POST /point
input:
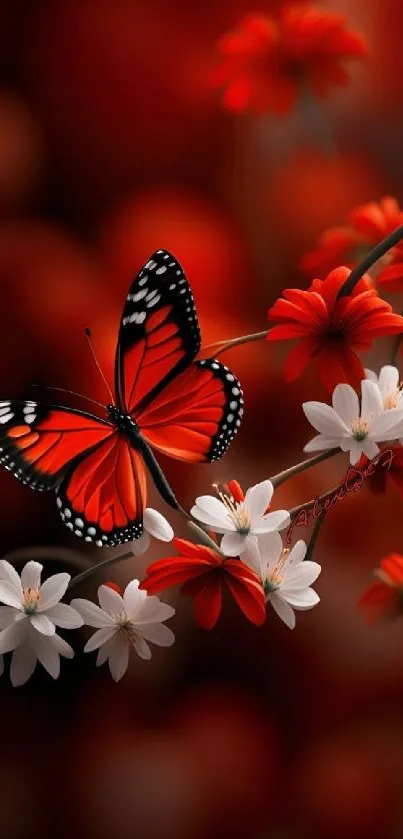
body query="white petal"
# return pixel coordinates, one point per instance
(157, 525)
(277, 520)
(325, 420)
(305, 599)
(355, 451)
(9, 595)
(257, 499)
(42, 624)
(46, 652)
(23, 663)
(321, 442)
(300, 576)
(387, 425)
(52, 590)
(152, 610)
(283, 609)
(369, 448)
(232, 544)
(62, 647)
(369, 374)
(8, 572)
(133, 598)
(157, 633)
(213, 512)
(297, 553)
(91, 613)
(7, 615)
(31, 575)
(65, 616)
(345, 403)
(388, 379)
(119, 658)
(141, 545)
(142, 648)
(13, 635)
(253, 555)
(110, 600)
(101, 636)
(103, 652)
(371, 400)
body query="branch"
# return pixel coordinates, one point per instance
(376, 253)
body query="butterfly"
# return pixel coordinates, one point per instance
(165, 400)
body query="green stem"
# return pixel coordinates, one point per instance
(301, 467)
(366, 263)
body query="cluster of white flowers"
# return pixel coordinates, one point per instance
(32, 610)
(250, 531)
(354, 429)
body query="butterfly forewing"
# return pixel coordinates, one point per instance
(159, 334)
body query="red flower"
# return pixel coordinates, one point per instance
(204, 572)
(267, 61)
(366, 226)
(384, 598)
(330, 330)
(391, 469)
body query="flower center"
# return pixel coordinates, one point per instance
(274, 578)
(31, 600)
(126, 627)
(237, 511)
(359, 429)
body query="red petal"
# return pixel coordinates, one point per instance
(392, 565)
(171, 572)
(207, 603)
(298, 358)
(379, 601)
(392, 276)
(202, 552)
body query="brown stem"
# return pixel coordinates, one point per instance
(223, 346)
(112, 560)
(315, 534)
(301, 467)
(366, 263)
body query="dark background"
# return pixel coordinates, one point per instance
(112, 143)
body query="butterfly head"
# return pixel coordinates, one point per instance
(124, 422)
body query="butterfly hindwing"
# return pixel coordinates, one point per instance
(196, 416)
(159, 334)
(39, 442)
(103, 497)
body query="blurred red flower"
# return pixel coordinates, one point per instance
(379, 479)
(329, 329)
(366, 226)
(267, 61)
(204, 572)
(384, 598)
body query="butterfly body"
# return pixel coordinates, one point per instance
(166, 400)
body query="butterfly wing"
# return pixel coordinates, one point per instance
(103, 497)
(159, 334)
(39, 442)
(196, 416)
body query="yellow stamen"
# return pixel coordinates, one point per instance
(237, 511)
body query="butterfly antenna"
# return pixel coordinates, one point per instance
(88, 337)
(65, 390)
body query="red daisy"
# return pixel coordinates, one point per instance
(384, 598)
(203, 573)
(330, 330)
(366, 226)
(266, 62)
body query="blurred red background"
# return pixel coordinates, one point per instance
(112, 144)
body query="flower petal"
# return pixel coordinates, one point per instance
(257, 499)
(9, 595)
(62, 647)
(321, 442)
(305, 599)
(388, 379)
(31, 575)
(369, 374)
(345, 403)
(13, 635)
(91, 613)
(140, 546)
(300, 576)
(282, 609)
(157, 633)
(65, 616)
(142, 648)
(277, 520)
(371, 400)
(101, 636)
(8, 615)
(152, 610)
(42, 624)
(110, 600)
(207, 603)
(52, 590)
(232, 544)
(325, 420)
(8, 572)
(23, 664)
(46, 652)
(157, 525)
(119, 657)
(213, 512)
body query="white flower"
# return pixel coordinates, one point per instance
(344, 427)
(156, 525)
(125, 622)
(29, 618)
(286, 577)
(240, 519)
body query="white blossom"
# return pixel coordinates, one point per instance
(154, 524)
(29, 617)
(240, 521)
(125, 622)
(344, 426)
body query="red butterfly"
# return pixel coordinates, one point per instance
(187, 409)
